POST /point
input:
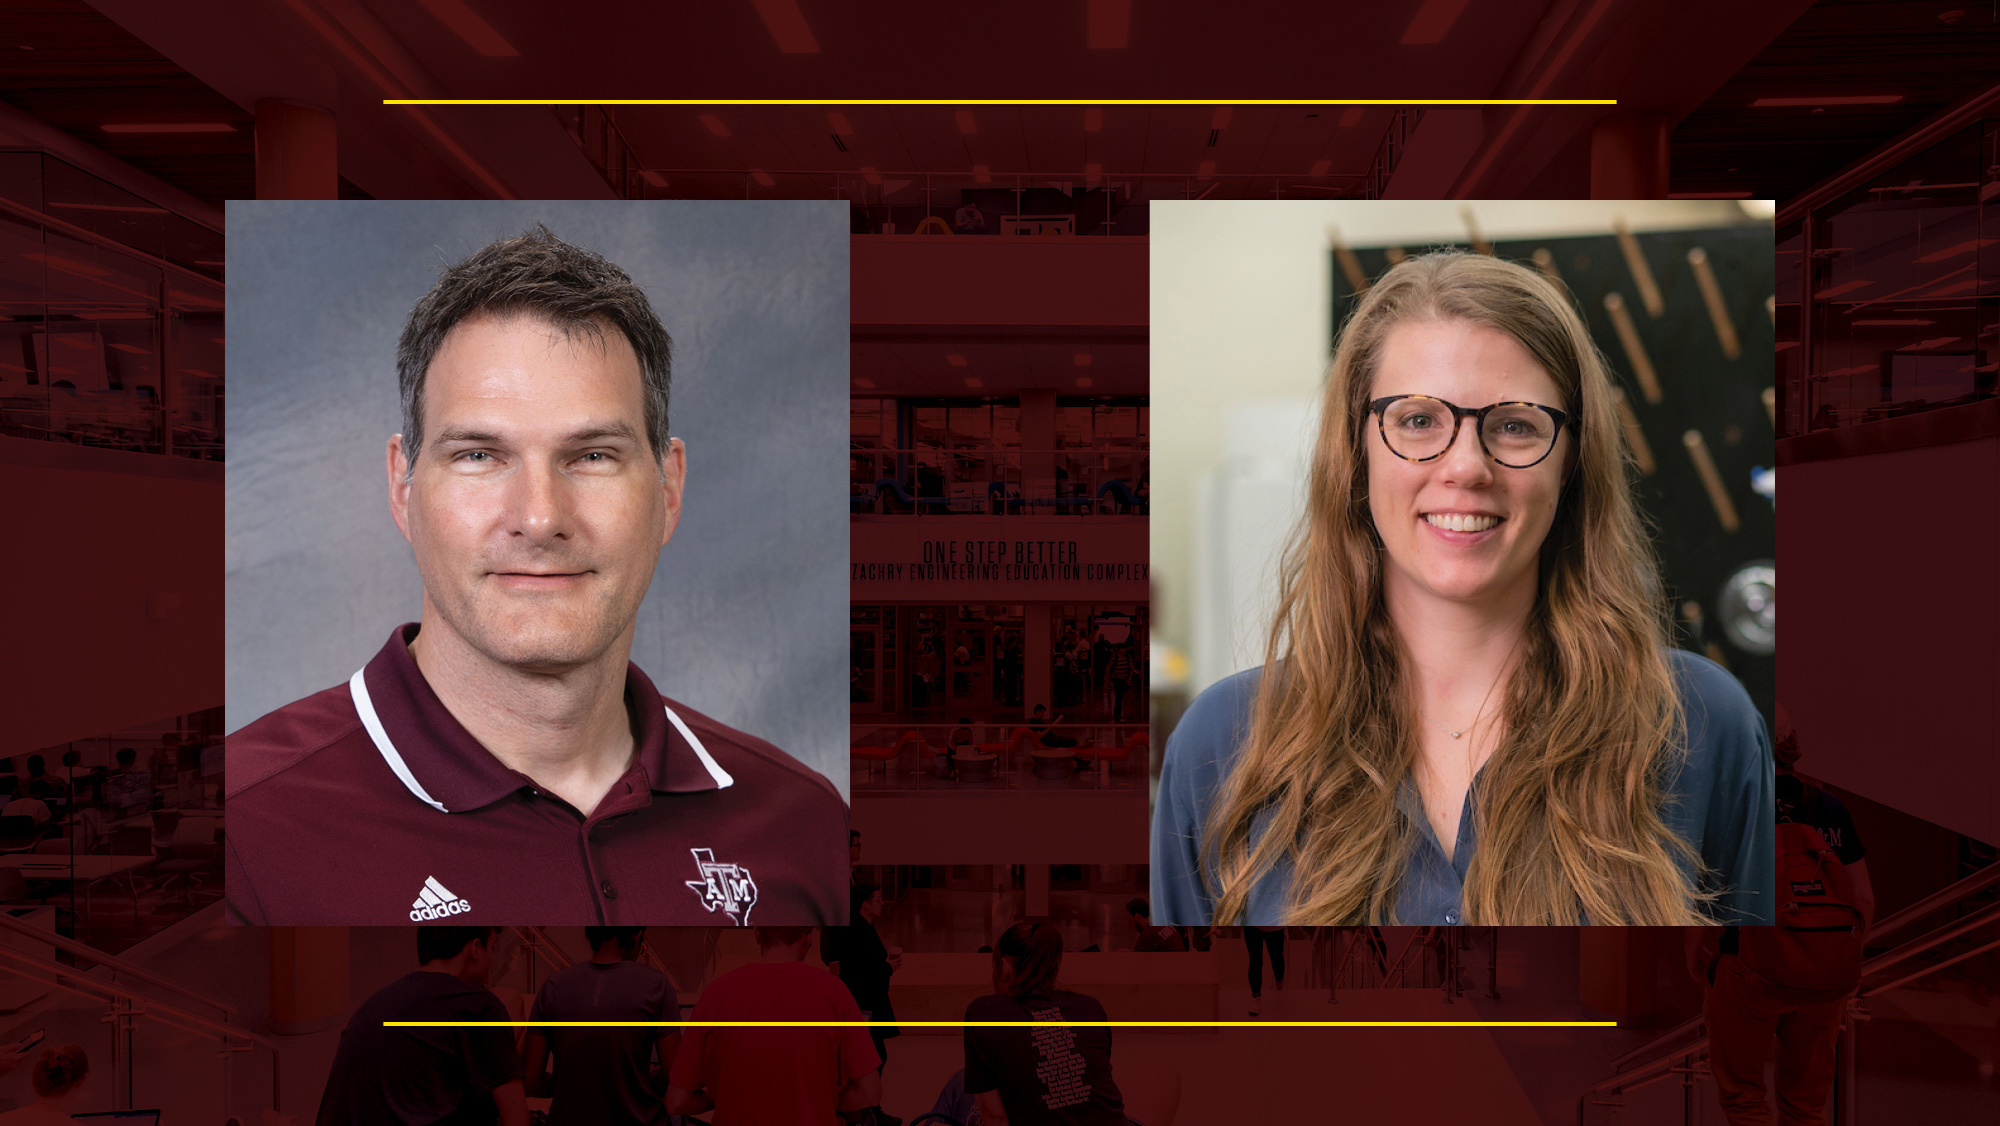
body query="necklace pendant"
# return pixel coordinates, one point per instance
(1456, 734)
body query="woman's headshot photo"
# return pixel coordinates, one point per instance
(1477, 685)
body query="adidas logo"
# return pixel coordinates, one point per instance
(434, 902)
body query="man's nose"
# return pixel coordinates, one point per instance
(538, 505)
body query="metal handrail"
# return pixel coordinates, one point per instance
(1979, 881)
(1661, 1065)
(117, 965)
(65, 978)
(1972, 885)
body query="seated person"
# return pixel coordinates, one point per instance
(1038, 722)
(36, 773)
(1006, 1069)
(1151, 937)
(29, 806)
(954, 1101)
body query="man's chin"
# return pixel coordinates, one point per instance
(542, 648)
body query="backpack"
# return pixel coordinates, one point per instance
(1812, 953)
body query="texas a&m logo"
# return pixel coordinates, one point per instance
(727, 888)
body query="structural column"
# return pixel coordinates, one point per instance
(1618, 967)
(1037, 906)
(297, 151)
(308, 977)
(1628, 156)
(1037, 658)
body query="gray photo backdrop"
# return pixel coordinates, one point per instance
(746, 619)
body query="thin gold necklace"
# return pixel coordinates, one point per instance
(1474, 726)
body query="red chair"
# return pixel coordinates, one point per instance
(1115, 755)
(883, 755)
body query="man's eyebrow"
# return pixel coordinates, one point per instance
(457, 434)
(602, 430)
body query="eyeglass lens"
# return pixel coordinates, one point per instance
(1423, 428)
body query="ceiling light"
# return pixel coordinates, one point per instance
(652, 177)
(981, 175)
(864, 384)
(1083, 381)
(1939, 342)
(1899, 321)
(973, 381)
(1844, 100)
(130, 348)
(1206, 170)
(1351, 118)
(715, 125)
(1432, 21)
(955, 360)
(171, 127)
(1319, 167)
(839, 125)
(1093, 121)
(965, 122)
(107, 207)
(762, 177)
(1108, 24)
(787, 25)
(1220, 119)
(1082, 359)
(466, 24)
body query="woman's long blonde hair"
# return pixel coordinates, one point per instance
(1567, 807)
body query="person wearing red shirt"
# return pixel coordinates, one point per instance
(791, 1075)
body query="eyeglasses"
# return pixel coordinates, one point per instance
(1420, 428)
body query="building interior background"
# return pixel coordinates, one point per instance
(126, 124)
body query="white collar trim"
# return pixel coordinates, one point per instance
(357, 686)
(721, 776)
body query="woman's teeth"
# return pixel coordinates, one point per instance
(1459, 522)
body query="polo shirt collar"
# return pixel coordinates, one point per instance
(439, 761)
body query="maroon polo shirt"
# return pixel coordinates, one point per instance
(370, 804)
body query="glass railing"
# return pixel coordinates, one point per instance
(998, 755)
(992, 481)
(104, 345)
(126, 1015)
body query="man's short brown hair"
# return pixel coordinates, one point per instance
(535, 274)
(768, 937)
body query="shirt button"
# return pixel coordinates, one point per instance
(609, 891)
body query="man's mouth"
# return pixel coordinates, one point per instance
(538, 580)
(1463, 521)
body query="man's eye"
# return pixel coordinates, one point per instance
(471, 454)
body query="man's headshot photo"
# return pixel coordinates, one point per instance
(611, 689)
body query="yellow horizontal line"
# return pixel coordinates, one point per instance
(999, 101)
(998, 1023)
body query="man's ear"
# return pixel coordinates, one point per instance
(673, 480)
(399, 485)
